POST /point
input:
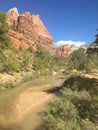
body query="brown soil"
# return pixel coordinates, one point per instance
(92, 75)
(29, 99)
(28, 104)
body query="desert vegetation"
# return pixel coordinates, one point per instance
(13, 60)
(45, 62)
(76, 108)
(84, 60)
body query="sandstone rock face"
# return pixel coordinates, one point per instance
(66, 50)
(25, 25)
(12, 17)
(47, 44)
(30, 31)
(21, 42)
(39, 27)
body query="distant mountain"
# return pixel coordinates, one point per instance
(66, 50)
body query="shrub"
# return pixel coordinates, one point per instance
(86, 100)
(9, 85)
(76, 108)
(43, 60)
(80, 83)
(12, 66)
(79, 61)
(61, 115)
(5, 42)
(27, 78)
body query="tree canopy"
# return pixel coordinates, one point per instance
(4, 39)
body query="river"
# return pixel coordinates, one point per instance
(21, 107)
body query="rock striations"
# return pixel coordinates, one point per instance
(12, 17)
(28, 31)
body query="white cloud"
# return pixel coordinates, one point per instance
(76, 43)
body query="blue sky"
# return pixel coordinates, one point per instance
(68, 21)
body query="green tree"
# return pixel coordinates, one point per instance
(4, 39)
(79, 60)
(96, 41)
(76, 107)
(42, 59)
(3, 25)
(61, 115)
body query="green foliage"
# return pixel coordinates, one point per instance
(85, 60)
(3, 25)
(96, 41)
(57, 63)
(61, 115)
(40, 60)
(83, 93)
(79, 61)
(9, 85)
(26, 59)
(43, 60)
(27, 78)
(76, 108)
(80, 83)
(92, 54)
(5, 42)
(9, 62)
(15, 60)
(12, 65)
(12, 59)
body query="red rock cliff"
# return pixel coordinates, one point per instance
(29, 31)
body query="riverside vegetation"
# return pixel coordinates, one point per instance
(12, 60)
(76, 108)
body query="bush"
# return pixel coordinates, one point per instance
(5, 42)
(79, 61)
(43, 60)
(80, 99)
(27, 78)
(80, 83)
(10, 61)
(61, 115)
(86, 90)
(76, 108)
(9, 85)
(12, 66)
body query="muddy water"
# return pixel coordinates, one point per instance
(32, 118)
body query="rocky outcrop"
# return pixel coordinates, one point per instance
(25, 25)
(39, 27)
(28, 31)
(12, 17)
(66, 50)
(20, 41)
